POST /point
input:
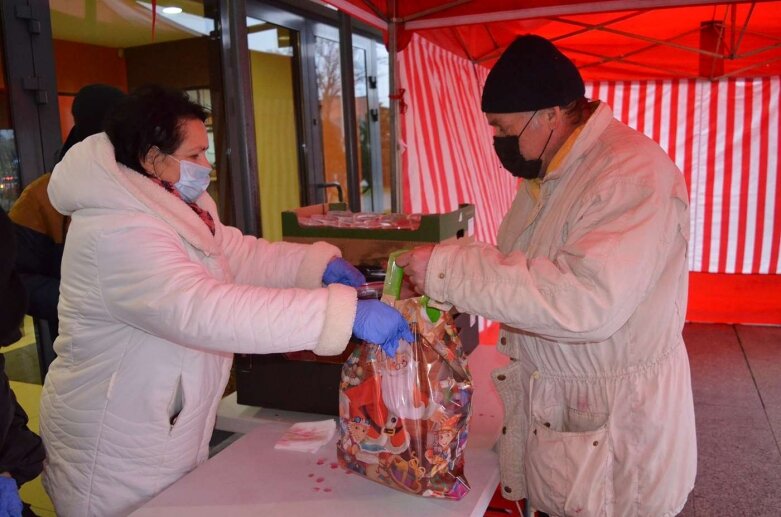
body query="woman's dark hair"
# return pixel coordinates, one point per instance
(151, 116)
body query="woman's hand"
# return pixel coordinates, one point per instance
(381, 324)
(339, 271)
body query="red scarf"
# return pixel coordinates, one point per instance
(205, 216)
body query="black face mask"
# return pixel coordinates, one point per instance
(509, 154)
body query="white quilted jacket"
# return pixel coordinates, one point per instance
(151, 308)
(589, 280)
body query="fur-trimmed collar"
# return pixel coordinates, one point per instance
(171, 209)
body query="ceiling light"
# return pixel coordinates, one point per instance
(171, 10)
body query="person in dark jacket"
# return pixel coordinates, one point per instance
(21, 451)
(40, 229)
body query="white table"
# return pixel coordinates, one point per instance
(251, 478)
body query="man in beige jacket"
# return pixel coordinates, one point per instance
(589, 281)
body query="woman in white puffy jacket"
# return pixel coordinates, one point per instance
(156, 295)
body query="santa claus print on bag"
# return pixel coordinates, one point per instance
(403, 419)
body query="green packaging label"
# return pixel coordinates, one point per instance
(391, 290)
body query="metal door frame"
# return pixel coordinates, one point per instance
(31, 85)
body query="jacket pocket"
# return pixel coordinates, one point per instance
(568, 464)
(176, 405)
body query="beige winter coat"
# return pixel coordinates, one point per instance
(589, 282)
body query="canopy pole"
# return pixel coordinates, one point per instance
(395, 155)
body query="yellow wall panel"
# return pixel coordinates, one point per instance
(275, 137)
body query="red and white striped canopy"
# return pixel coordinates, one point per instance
(723, 135)
(614, 39)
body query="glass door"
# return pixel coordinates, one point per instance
(274, 59)
(286, 164)
(328, 65)
(331, 113)
(368, 114)
(299, 91)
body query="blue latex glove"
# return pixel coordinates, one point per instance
(10, 503)
(379, 323)
(339, 271)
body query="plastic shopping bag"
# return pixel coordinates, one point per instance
(403, 420)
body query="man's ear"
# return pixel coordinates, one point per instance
(148, 161)
(553, 117)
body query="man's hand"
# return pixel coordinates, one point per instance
(415, 264)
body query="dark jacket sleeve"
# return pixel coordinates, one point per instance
(38, 262)
(21, 450)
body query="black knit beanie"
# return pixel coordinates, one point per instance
(531, 74)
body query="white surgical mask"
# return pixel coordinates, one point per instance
(193, 179)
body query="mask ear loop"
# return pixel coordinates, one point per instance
(539, 158)
(546, 145)
(524, 128)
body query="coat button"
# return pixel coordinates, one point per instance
(504, 430)
(595, 443)
(503, 340)
(500, 377)
(441, 276)
(508, 489)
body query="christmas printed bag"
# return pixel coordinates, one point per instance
(403, 420)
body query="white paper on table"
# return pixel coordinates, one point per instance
(307, 436)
